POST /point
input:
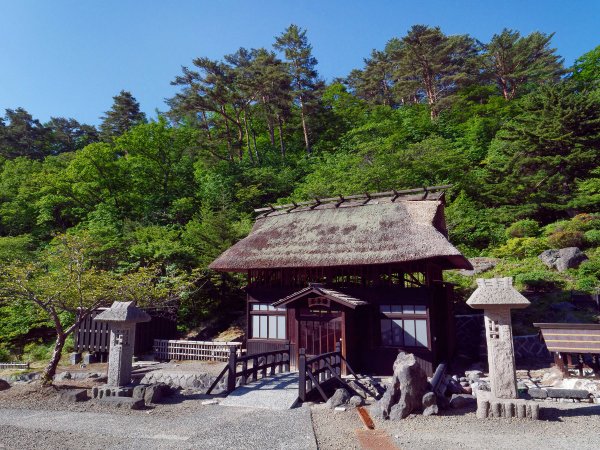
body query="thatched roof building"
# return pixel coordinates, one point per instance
(350, 234)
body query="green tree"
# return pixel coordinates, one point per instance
(22, 135)
(294, 44)
(536, 159)
(432, 66)
(123, 115)
(587, 67)
(514, 61)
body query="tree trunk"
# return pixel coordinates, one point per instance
(281, 143)
(304, 127)
(50, 369)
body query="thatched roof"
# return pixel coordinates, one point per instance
(494, 292)
(378, 231)
(123, 312)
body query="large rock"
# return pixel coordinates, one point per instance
(480, 265)
(563, 259)
(4, 385)
(152, 393)
(339, 397)
(62, 376)
(459, 401)
(73, 395)
(356, 401)
(405, 394)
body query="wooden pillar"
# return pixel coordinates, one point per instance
(302, 374)
(231, 365)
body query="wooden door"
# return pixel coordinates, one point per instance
(319, 331)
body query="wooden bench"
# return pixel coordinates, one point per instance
(575, 345)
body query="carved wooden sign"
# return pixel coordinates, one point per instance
(316, 302)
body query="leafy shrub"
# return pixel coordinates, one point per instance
(588, 284)
(592, 238)
(523, 228)
(563, 239)
(5, 355)
(37, 351)
(539, 281)
(585, 222)
(590, 268)
(521, 248)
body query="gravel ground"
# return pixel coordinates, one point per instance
(565, 426)
(182, 424)
(336, 429)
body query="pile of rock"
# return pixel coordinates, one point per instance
(563, 259)
(408, 391)
(341, 398)
(179, 380)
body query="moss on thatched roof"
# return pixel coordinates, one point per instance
(350, 234)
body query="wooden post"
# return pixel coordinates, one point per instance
(338, 359)
(244, 380)
(286, 364)
(302, 374)
(272, 366)
(232, 366)
(254, 370)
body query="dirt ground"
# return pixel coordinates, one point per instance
(564, 426)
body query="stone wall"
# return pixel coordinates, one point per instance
(470, 341)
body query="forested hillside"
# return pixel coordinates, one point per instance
(138, 207)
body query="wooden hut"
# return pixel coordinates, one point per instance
(364, 271)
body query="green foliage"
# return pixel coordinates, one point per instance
(538, 281)
(521, 248)
(563, 239)
(523, 228)
(592, 238)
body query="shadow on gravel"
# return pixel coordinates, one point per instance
(557, 415)
(178, 397)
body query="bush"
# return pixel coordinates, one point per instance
(563, 239)
(521, 248)
(538, 281)
(592, 238)
(5, 355)
(588, 284)
(523, 228)
(590, 268)
(37, 351)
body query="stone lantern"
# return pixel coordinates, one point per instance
(122, 318)
(497, 296)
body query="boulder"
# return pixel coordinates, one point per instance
(537, 393)
(123, 402)
(356, 401)
(411, 382)
(152, 393)
(384, 405)
(563, 259)
(473, 375)
(73, 395)
(432, 410)
(460, 401)
(62, 376)
(4, 385)
(567, 393)
(339, 397)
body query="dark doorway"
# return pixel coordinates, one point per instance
(320, 329)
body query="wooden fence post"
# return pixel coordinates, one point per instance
(232, 365)
(302, 374)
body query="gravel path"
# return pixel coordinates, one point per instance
(208, 427)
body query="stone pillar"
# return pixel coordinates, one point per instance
(122, 318)
(120, 357)
(497, 296)
(501, 354)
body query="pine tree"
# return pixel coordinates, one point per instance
(302, 68)
(124, 114)
(432, 66)
(514, 61)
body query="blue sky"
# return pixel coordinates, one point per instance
(69, 58)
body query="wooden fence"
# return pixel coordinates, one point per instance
(196, 350)
(21, 366)
(93, 336)
(241, 370)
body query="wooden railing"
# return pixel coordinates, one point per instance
(14, 365)
(250, 368)
(316, 371)
(193, 350)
